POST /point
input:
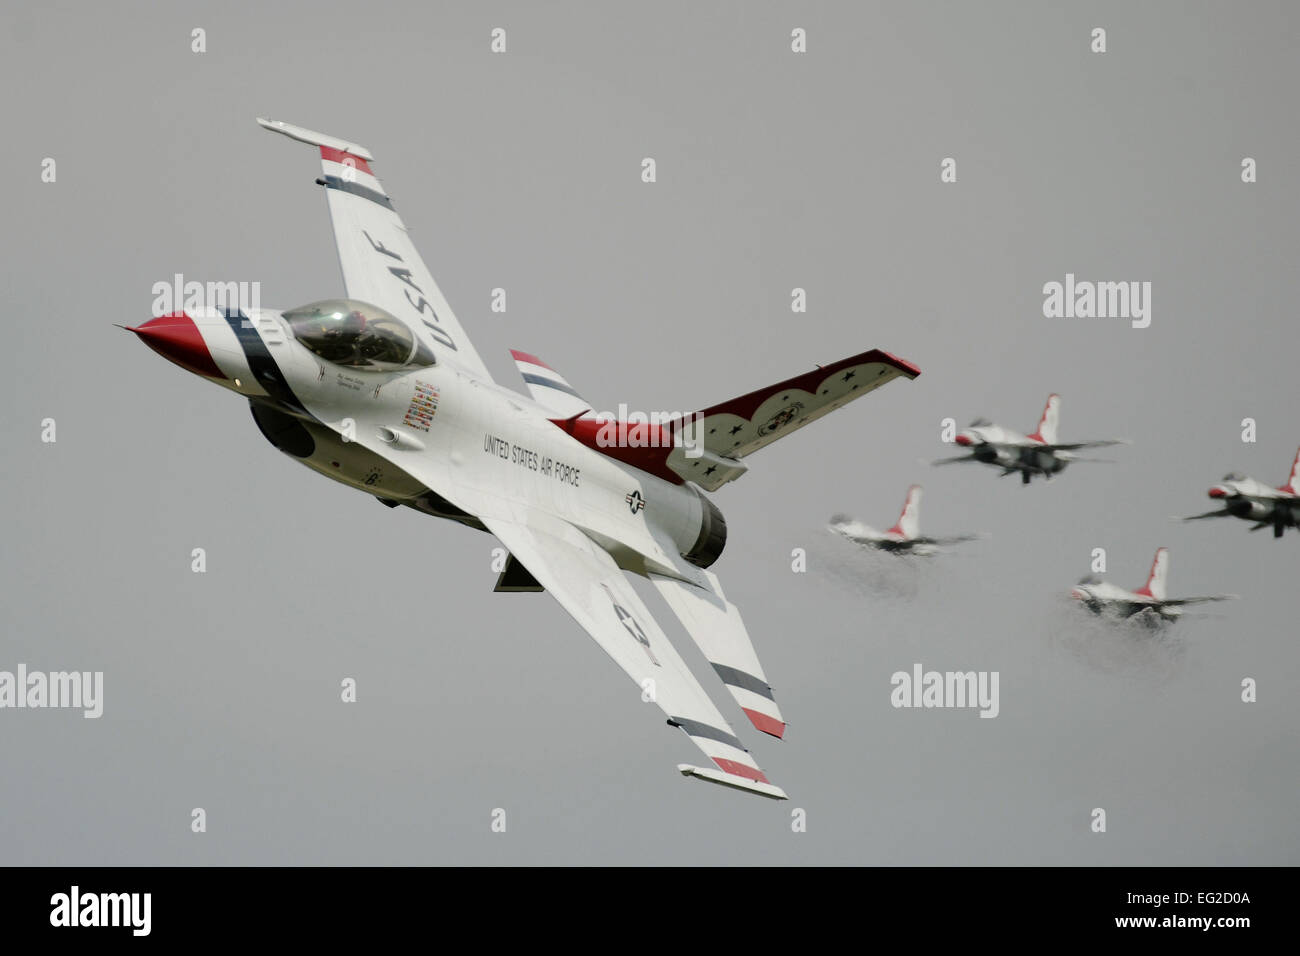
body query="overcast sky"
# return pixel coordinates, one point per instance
(775, 170)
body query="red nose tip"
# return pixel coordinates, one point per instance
(963, 439)
(1218, 493)
(176, 338)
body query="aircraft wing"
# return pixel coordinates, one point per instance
(380, 262)
(715, 625)
(597, 594)
(858, 538)
(944, 542)
(1179, 602)
(1222, 512)
(1076, 445)
(730, 430)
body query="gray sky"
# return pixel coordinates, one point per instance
(775, 170)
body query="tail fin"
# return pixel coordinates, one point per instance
(1051, 418)
(1293, 483)
(1155, 586)
(909, 522)
(548, 386)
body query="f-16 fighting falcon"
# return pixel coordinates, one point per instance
(1253, 500)
(384, 392)
(1036, 454)
(903, 538)
(1148, 604)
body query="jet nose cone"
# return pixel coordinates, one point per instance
(176, 338)
(1077, 594)
(964, 440)
(1218, 492)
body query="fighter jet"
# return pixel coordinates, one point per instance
(1148, 604)
(1253, 500)
(1036, 454)
(903, 538)
(383, 391)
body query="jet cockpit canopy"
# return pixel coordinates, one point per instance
(357, 335)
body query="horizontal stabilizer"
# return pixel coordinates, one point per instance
(771, 791)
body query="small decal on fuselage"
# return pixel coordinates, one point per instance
(635, 501)
(350, 382)
(424, 405)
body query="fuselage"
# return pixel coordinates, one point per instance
(1102, 597)
(1012, 451)
(487, 451)
(1252, 500)
(893, 541)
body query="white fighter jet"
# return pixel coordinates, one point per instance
(1148, 604)
(384, 392)
(1036, 454)
(1253, 500)
(903, 538)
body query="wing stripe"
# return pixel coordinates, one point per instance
(738, 678)
(356, 189)
(740, 769)
(694, 728)
(768, 725)
(344, 158)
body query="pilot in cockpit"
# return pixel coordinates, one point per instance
(341, 342)
(356, 335)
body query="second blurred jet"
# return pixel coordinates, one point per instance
(903, 538)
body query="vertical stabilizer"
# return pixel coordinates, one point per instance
(909, 522)
(1293, 481)
(1051, 418)
(1155, 586)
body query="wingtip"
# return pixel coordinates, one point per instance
(908, 370)
(771, 791)
(314, 138)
